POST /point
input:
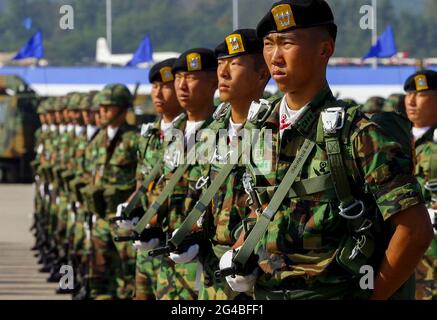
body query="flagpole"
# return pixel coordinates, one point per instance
(375, 30)
(109, 25)
(235, 14)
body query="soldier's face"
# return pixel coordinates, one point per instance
(237, 79)
(97, 118)
(421, 108)
(297, 59)
(59, 117)
(42, 118)
(86, 115)
(164, 97)
(51, 117)
(111, 114)
(195, 90)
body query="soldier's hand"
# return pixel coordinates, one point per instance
(238, 283)
(125, 224)
(186, 256)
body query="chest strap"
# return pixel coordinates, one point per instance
(267, 215)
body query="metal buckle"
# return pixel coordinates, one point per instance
(333, 119)
(367, 224)
(221, 111)
(431, 186)
(343, 211)
(256, 108)
(247, 183)
(201, 182)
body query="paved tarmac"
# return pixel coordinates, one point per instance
(19, 276)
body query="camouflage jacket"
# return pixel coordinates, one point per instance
(185, 194)
(117, 168)
(425, 146)
(151, 149)
(306, 233)
(229, 206)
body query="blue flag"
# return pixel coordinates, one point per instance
(27, 23)
(385, 47)
(144, 52)
(33, 49)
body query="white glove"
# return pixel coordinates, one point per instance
(125, 224)
(237, 283)
(146, 246)
(432, 215)
(186, 256)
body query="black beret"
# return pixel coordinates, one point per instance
(425, 80)
(198, 59)
(288, 15)
(238, 43)
(162, 71)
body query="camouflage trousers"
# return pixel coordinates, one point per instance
(147, 270)
(426, 279)
(178, 281)
(62, 216)
(112, 265)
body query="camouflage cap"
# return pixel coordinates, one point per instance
(395, 103)
(50, 104)
(74, 101)
(60, 103)
(41, 109)
(116, 95)
(350, 101)
(95, 104)
(373, 105)
(87, 100)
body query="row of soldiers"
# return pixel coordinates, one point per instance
(169, 213)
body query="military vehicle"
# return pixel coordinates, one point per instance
(18, 123)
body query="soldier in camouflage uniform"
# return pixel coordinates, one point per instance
(373, 106)
(87, 162)
(242, 75)
(195, 84)
(112, 264)
(151, 148)
(317, 224)
(40, 137)
(421, 102)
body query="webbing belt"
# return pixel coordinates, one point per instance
(264, 219)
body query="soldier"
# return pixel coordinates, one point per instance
(87, 164)
(373, 106)
(195, 85)
(421, 102)
(242, 75)
(317, 225)
(112, 264)
(151, 149)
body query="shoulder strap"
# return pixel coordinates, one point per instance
(264, 219)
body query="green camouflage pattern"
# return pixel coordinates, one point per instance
(426, 272)
(304, 237)
(373, 105)
(116, 174)
(184, 277)
(116, 95)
